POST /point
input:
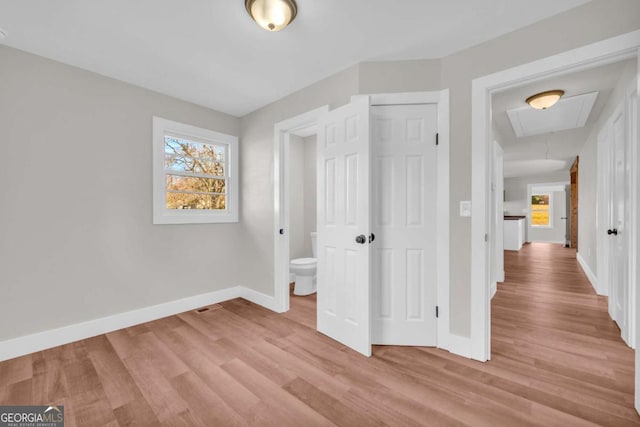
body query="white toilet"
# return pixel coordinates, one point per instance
(304, 270)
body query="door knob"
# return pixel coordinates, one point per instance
(361, 239)
(372, 237)
(614, 232)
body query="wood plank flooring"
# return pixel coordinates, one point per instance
(557, 360)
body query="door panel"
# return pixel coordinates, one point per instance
(404, 251)
(619, 251)
(343, 310)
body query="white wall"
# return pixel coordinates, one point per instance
(587, 203)
(76, 235)
(297, 198)
(302, 195)
(588, 173)
(310, 191)
(399, 76)
(83, 256)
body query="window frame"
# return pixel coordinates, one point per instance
(549, 194)
(161, 215)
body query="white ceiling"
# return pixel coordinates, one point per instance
(552, 151)
(209, 52)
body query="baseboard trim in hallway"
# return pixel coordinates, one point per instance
(27, 344)
(590, 275)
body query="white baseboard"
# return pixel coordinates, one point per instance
(47, 339)
(500, 277)
(267, 301)
(459, 345)
(494, 289)
(585, 267)
(28, 344)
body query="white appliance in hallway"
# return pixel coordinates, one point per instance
(377, 245)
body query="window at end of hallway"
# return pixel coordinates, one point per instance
(540, 210)
(195, 174)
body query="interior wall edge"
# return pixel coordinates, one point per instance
(593, 279)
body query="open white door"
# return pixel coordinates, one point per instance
(343, 226)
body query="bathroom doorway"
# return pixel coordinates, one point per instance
(302, 213)
(295, 210)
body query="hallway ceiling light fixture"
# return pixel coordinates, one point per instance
(272, 15)
(544, 100)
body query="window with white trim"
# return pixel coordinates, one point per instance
(195, 174)
(541, 209)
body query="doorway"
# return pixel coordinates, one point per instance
(349, 318)
(601, 53)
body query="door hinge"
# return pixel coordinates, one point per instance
(486, 237)
(437, 311)
(437, 138)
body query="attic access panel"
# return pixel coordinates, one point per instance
(568, 113)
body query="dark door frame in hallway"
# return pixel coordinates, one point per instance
(573, 208)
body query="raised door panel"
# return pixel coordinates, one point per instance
(404, 192)
(343, 213)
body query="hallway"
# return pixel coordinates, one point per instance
(550, 329)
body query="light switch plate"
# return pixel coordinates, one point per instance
(465, 208)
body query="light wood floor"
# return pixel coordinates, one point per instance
(557, 360)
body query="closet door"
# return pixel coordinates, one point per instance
(404, 270)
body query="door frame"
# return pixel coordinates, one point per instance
(600, 53)
(444, 339)
(627, 110)
(307, 123)
(282, 133)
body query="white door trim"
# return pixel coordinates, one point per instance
(283, 131)
(441, 98)
(635, 244)
(600, 53)
(633, 107)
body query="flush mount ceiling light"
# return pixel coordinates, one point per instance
(544, 100)
(272, 15)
